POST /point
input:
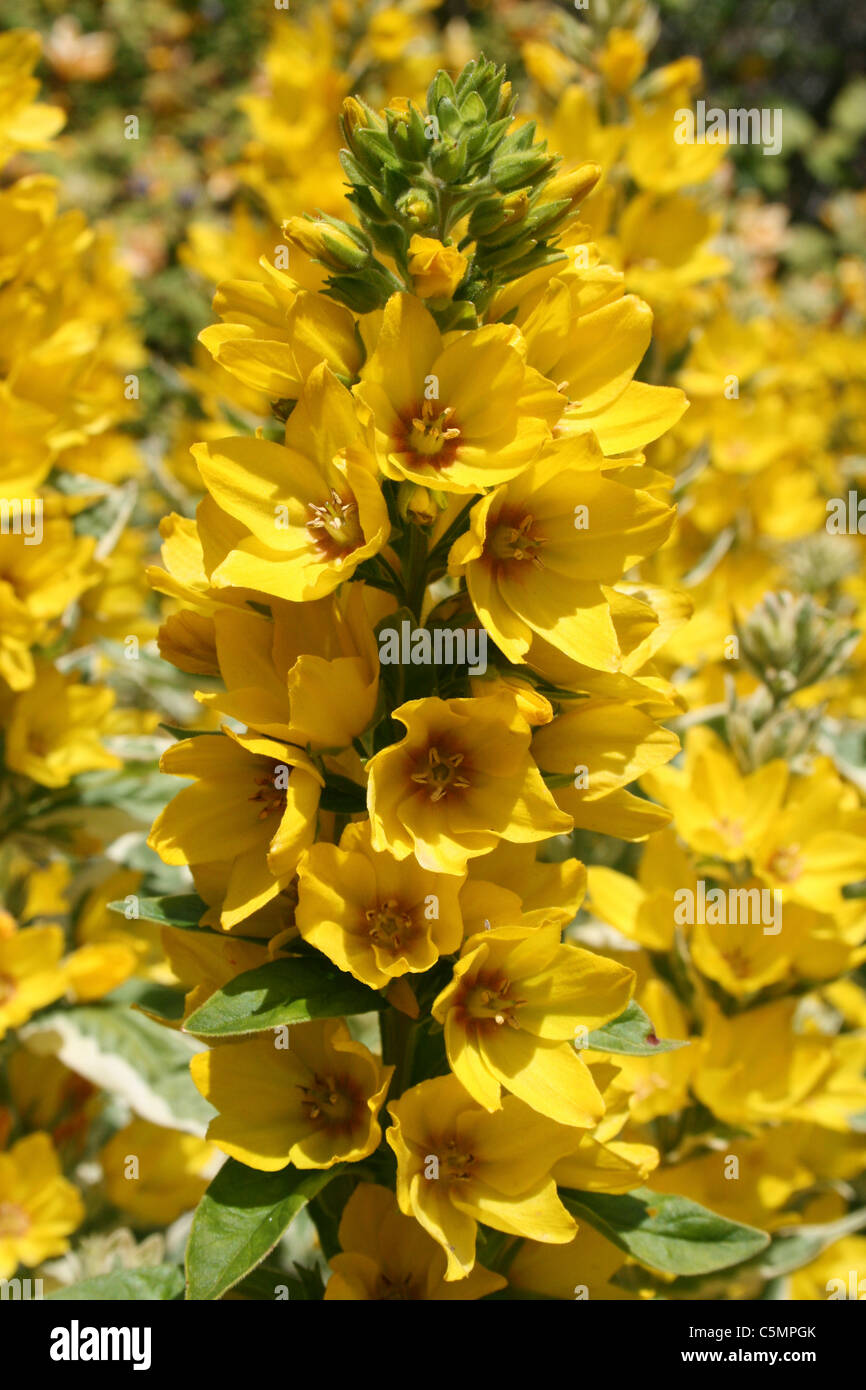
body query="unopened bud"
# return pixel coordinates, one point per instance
(335, 245)
(417, 504)
(574, 186)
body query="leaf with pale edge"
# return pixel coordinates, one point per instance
(162, 1283)
(282, 992)
(633, 1035)
(240, 1219)
(666, 1232)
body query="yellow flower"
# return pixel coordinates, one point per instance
(313, 1103)
(294, 520)
(512, 1014)
(454, 413)
(93, 971)
(755, 1068)
(622, 60)
(309, 676)
(597, 748)
(643, 908)
(458, 1165)
(153, 1174)
(460, 781)
(718, 811)
(582, 331)
(39, 1209)
(24, 124)
(838, 1272)
(96, 925)
(656, 159)
(274, 334)
(816, 844)
(54, 730)
(31, 974)
(254, 802)
(385, 1255)
(436, 270)
(373, 915)
(541, 548)
(204, 962)
(38, 582)
(544, 892)
(581, 1269)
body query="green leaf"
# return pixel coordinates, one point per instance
(162, 1283)
(282, 992)
(633, 1035)
(129, 1055)
(666, 1232)
(183, 734)
(343, 795)
(162, 1002)
(175, 910)
(791, 1248)
(240, 1219)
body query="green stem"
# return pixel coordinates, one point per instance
(415, 571)
(398, 1044)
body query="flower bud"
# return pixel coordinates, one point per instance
(448, 159)
(574, 186)
(436, 270)
(622, 60)
(334, 244)
(417, 206)
(415, 504)
(520, 166)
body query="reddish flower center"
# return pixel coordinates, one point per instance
(389, 926)
(333, 1103)
(440, 773)
(272, 797)
(515, 539)
(334, 526)
(487, 1002)
(430, 434)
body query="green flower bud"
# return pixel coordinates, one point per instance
(448, 158)
(523, 166)
(417, 207)
(335, 244)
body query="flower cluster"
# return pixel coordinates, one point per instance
(460, 469)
